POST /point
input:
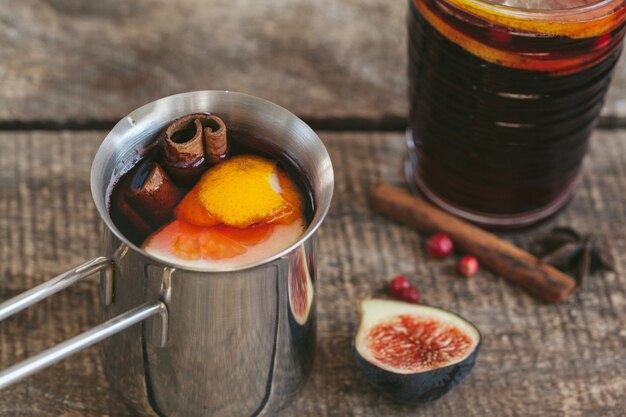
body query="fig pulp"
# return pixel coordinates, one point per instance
(414, 353)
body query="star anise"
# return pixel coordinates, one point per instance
(573, 253)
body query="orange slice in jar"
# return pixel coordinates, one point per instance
(575, 23)
(588, 20)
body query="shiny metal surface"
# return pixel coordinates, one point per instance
(84, 340)
(234, 347)
(223, 342)
(235, 341)
(133, 135)
(52, 286)
(61, 351)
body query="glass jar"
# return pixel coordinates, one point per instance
(503, 99)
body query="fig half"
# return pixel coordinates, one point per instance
(414, 353)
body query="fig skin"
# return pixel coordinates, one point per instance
(413, 389)
(421, 386)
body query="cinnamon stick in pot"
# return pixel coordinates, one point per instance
(512, 263)
(153, 194)
(191, 144)
(127, 216)
(183, 150)
(215, 141)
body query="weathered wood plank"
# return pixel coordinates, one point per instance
(536, 360)
(66, 60)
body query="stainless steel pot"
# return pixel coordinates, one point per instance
(225, 342)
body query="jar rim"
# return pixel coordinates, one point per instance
(597, 19)
(595, 9)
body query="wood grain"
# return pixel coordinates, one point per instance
(536, 360)
(75, 61)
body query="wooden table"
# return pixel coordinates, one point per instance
(70, 69)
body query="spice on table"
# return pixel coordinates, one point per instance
(410, 295)
(439, 246)
(514, 264)
(571, 252)
(467, 266)
(398, 284)
(401, 289)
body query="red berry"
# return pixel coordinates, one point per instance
(411, 295)
(398, 284)
(439, 246)
(468, 266)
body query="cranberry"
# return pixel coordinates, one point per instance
(411, 295)
(468, 266)
(398, 284)
(439, 246)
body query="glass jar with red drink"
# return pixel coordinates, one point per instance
(504, 95)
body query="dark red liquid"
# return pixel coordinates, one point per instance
(239, 143)
(493, 139)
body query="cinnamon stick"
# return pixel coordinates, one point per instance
(153, 194)
(215, 142)
(128, 216)
(497, 255)
(183, 150)
(191, 144)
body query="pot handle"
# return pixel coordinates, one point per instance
(69, 347)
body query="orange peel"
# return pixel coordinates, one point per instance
(248, 189)
(595, 23)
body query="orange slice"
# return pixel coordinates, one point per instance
(235, 206)
(580, 22)
(293, 196)
(249, 236)
(185, 241)
(595, 23)
(191, 211)
(245, 190)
